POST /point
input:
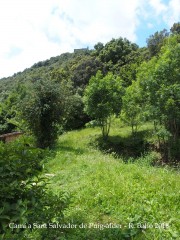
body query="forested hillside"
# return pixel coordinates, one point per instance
(149, 78)
(128, 97)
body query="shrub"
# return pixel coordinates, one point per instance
(45, 107)
(24, 198)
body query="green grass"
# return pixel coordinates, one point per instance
(104, 189)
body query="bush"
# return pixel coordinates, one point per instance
(45, 107)
(18, 164)
(24, 198)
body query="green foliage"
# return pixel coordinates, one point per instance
(84, 69)
(155, 42)
(121, 57)
(59, 75)
(107, 190)
(132, 110)
(98, 47)
(111, 181)
(18, 163)
(44, 108)
(159, 80)
(24, 198)
(175, 29)
(103, 98)
(129, 71)
(9, 111)
(78, 67)
(5, 114)
(117, 51)
(76, 117)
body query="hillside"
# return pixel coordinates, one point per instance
(80, 65)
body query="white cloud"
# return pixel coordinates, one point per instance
(150, 25)
(158, 6)
(162, 11)
(173, 13)
(35, 30)
(103, 19)
(21, 24)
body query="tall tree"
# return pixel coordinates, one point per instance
(159, 79)
(45, 106)
(117, 51)
(156, 41)
(98, 47)
(132, 108)
(103, 98)
(175, 28)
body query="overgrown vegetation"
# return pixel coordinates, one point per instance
(125, 175)
(117, 188)
(44, 107)
(24, 198)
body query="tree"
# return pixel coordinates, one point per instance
(175, 29)
(5, 114)
(76, 118)
(129, 70)
(117, 51)
(132, 110)
(46, 106)
(84, 69)
(155, 42)
(98, 47)
(103, 98)
(159, 79)
(9, 111)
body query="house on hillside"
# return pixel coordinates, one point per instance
(81, 50)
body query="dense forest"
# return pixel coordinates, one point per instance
(116, 82)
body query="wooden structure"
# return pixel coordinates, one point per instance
(8, 137)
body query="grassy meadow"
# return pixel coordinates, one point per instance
(113, 195)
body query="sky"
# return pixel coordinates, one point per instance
(36, 30)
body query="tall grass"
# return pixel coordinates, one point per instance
(104, 189)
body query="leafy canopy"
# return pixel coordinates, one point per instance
(103, 98)
(160, 82)
(46, 106)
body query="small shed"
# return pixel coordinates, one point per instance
(8, 137)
